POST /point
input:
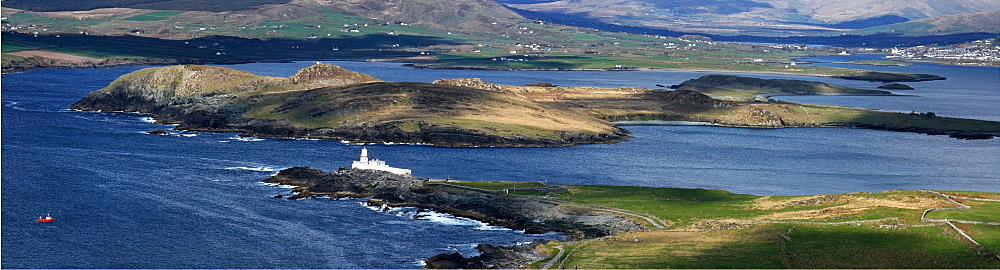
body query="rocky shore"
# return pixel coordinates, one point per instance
(515, 212)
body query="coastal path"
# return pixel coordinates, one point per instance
(652, 220)
(554, 260)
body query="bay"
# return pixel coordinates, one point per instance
(126, 199)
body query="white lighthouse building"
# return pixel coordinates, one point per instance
(373, 164)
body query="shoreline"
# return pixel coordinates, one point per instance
(516, 255)
(409, 64)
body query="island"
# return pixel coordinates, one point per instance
(325, 101)
(644, 227)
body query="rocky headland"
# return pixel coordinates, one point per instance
(534, 216)
(327, 102)
(394, 190)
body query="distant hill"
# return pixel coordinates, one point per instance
(757, 17)
(474, 15)
(470, 15)
(189, 5)
(987, 22)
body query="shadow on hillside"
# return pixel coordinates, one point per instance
(187, 5)
(225, 49)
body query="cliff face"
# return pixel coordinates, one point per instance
(153, 89)
(321, 75)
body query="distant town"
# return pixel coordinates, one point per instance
(979, 52)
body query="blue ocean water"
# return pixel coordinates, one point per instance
(126, 199)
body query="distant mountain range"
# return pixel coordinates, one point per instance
(777, 17)
(846, 23)
(470, 15)
(769, 18)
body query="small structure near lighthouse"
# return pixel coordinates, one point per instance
(373, 164)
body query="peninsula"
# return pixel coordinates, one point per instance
(642, 227)
(328, 102)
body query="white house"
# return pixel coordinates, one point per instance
(373, 164)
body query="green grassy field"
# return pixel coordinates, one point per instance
(154, 16)
(981, 211)
(757, 247)
(986, 235)
(869, 245)
(762, 246)
(497, 185)
(680, 206)
(850, 246)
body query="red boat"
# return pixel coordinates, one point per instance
(48, 218)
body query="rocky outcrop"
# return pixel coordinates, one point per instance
(326, 75)
(895, 86)
(491, 257)
(878, 76)
(530, 215)
(522, 213)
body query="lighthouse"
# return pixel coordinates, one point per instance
(364, 155)
(373, 164)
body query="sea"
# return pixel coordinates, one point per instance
(122, 198)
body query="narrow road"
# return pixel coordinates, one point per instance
(656, 222)
(555, 259)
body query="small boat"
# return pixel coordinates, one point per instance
(48, 218)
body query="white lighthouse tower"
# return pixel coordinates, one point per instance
(373, 164)
(364, 155)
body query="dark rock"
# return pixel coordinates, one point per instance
(491, 257)
(158, 132)
(533, 216)
(542, 85)
(895, 86)
(878, 76)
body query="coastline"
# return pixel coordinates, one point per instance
(520, 255)
(404, 62)
(530, 214)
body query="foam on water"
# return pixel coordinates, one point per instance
(435, 217)
(256, 169)
(278, 185)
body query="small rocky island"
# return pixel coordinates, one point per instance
(328, 102)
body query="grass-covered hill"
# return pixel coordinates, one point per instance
(436, 33)
(326, 101)
(728, 85)
(768, 17)
(986, 22)
(630, 104)
(192, 5)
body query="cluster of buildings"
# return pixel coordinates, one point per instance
(981, 50)
(364, 163)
